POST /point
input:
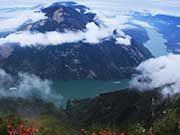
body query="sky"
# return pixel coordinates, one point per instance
(155, 6)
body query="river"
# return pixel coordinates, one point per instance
(88, 88)
(156, 44)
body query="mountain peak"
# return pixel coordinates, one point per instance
(62, 17)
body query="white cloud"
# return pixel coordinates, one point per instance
(26, 38)
(33, 86)
(93, 34)
(125, 41)
(28, 85)
(23, 3)
(159, 72)
(16, 19)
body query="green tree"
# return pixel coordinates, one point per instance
(168, 125)
(136, 129)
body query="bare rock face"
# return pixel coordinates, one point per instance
(58, 15)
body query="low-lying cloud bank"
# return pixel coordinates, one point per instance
(27, 86)
(162, 72)
(93, 35)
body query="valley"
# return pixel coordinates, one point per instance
(89, 67)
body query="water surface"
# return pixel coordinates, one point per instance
(156, 44)
(88, 88)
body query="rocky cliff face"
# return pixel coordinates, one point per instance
(77, 61)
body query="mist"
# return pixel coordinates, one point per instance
(161, 72)
(27, 85)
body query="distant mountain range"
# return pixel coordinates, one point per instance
(168, 26)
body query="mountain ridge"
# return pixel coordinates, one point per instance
(104, 60)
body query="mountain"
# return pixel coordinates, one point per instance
(77, 60)
(61, 17)
(123, 108)
(31, 112)
(30, 107)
